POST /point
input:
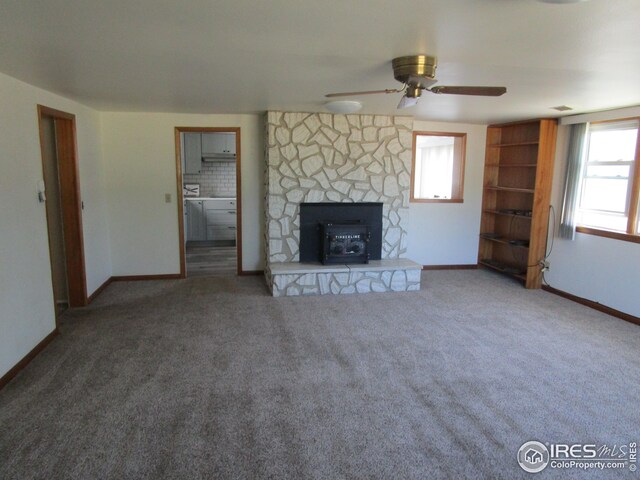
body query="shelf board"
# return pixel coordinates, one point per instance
(515, 144)
(497, 212)
(514, 165)
(504, 241)
(502, 269)
(511, 189)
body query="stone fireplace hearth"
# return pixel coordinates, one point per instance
(318, 157)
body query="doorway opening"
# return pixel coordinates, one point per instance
(209, 201)
(60, 192)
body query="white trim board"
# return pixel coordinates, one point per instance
(602, 115)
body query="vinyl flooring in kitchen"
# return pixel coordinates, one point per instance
(206, 259)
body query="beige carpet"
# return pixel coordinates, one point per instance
(210, 378)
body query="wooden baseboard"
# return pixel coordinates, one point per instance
(99, 290)
(469, 266)
(595, 305)
(6, 378)
(169, 276)
(246, 273)
(131, 278)
(136, 278)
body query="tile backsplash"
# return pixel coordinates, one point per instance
(216, 179)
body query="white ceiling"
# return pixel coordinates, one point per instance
(242, 56)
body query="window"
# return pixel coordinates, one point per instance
(610, 179)
(438, 167)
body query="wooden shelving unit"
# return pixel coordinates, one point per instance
(515, 205)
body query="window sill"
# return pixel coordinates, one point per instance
(625, 237)
(436, 200)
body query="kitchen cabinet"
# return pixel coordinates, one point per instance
(220, 218)
(196, 221)
(192, 153)
(219, 143)
(210, 219)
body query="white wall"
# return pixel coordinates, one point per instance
(95, 223)
(26, 296)
(139, 150)
(600, 269)
(447, 233)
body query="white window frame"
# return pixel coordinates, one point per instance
(632, 209)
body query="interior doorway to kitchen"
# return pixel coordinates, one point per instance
(208, 165)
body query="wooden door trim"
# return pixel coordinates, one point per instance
(177, 132)
(71, 200)
(179, 187)
(52, 112)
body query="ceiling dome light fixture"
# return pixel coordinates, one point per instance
(343, 106)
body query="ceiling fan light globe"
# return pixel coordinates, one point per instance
(406, 102)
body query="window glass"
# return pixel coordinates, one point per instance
(438, 166)
(607, 180)
(605, 194)
(613, 142)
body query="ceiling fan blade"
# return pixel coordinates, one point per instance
(406, 102)
(366, 92)
(481, 91)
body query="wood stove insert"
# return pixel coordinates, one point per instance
(344, 243)
(335, 233)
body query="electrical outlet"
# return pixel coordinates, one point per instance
(546, 265)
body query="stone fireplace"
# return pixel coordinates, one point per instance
(326, 158)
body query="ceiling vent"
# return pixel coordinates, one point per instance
(562, 108)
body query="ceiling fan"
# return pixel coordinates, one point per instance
(417, 73)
